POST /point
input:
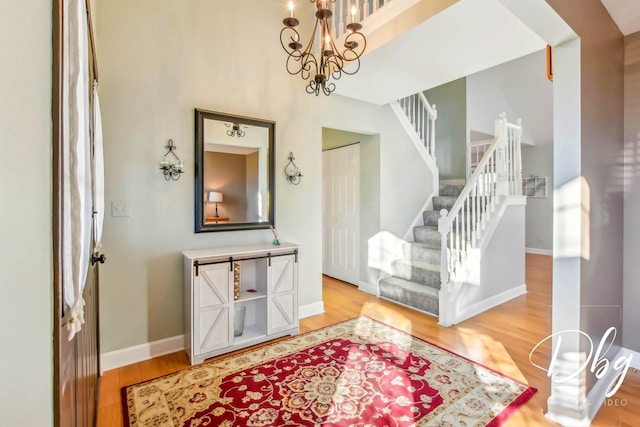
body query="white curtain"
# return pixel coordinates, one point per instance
(97, 166)
(77, 187)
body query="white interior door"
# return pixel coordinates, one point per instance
(341, 212)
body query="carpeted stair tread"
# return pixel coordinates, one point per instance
(411, 294)
(422, 252)
(417, 271)
(428, 235)
(431, 218)
(444, 202)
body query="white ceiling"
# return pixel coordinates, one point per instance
(625, 13)
(470, 36)
(465, 38)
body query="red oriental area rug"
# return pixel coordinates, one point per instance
(357, 373)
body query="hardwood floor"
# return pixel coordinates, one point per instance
(501, 338)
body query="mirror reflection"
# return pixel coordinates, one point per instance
(234, 166)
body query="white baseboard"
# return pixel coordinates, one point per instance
(538, 251)
(597, 395)
(309, 310)
(368, 288)
(484, 305)
(138, 353)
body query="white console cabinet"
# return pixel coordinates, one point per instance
(265, 278)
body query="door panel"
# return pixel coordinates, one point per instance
(282, 275)
(282, 307)
(341, 213)
(282, 312)
(79, 363)
(213, 296)
(67, 380)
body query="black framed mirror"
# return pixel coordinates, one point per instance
(234, 172)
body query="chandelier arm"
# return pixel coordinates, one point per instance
(290, 34)
(328, 89)
(309, 64)
(358, 40)
(312, 88)
(338, 63)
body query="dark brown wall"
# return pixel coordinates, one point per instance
(227, 174)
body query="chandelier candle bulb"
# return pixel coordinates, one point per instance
(291, 9)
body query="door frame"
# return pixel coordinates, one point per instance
(57, 132)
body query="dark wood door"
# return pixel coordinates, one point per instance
(79, 363)
(76, 361)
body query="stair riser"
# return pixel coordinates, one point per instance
(416, 274)
(411, 298)
(450, 189)
(429, 236)
(431, 218)
(420, 253)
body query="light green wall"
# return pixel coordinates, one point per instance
(26, 371)
(160, 59)
(538, 160)
(451, 127)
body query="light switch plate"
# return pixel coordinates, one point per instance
(120, 209)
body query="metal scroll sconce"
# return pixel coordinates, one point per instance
(171, 165)
(292, 171)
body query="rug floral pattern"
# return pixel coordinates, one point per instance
(356, 373)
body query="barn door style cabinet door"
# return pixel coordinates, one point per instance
(239, 296)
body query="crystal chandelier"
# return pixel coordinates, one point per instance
(321, 61)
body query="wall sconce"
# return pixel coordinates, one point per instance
(292, 171)
(171, 165)
(215, 197)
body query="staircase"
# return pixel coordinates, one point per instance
(454, 268)
(445, 271)
(416, 280)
